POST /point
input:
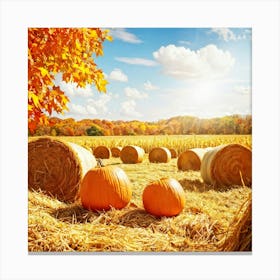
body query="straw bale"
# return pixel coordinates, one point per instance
(191, 159)
(116, 151)
(132, 154)
(173, 153)
(102, 152)
(160, 154)
(57, 167)
(239, 234)
(227, 165)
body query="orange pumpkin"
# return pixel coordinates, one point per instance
(105, 187)
(164, 197)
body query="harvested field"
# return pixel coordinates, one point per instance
(214, 218)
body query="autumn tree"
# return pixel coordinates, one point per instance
(94, 131)
(68, 51)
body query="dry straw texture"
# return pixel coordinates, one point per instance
(102, 152)
(57, 227)
(132, 154)
(116, 151)
(227, 165)
(160, 154)
(239, 234)
(191, 159)
(57, 167)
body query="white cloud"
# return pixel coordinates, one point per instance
(122, 34)
(136, 61)
(128, 109)
(72, 89)
(100, 104)
(225, 34)
(118, 75)
(149, 86)
(208, 62)
(91, 107)
(243, 90)
(134, 93)
(228, 35)
(77, 109)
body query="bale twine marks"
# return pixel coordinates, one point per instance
(191, 159)
(102, 152)
(160, 155)
(116, 151)
(227, 165)
(173, 153)
(57, 167)
(132, 154)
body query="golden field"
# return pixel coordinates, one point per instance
(214, 219)
(178, 142)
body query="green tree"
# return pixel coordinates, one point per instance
(94, 131)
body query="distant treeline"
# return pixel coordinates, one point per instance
(235, 124)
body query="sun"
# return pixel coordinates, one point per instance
(205, 92)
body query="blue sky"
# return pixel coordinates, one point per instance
(158, 73)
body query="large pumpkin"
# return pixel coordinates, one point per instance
(164, 197)
(105, 187)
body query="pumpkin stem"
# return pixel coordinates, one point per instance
(100, 162)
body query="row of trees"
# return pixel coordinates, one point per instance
(235, 124)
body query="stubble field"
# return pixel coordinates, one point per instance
(214, 219)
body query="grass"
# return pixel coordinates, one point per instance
(212, 220)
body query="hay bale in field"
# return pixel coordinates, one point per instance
(102, 152)
(173, 153)
(57, 167)
(226, 165)
(116, 151)
(132, 154)
(191, 159)
(160, 155)
(239, 234)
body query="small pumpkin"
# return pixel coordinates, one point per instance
(164, 197)
(105, 187)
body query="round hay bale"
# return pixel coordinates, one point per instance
(132, 154)
(102, 152)
(116, 151)
(191, 159)
(173, 153)
(239, 234)
(57, 167)
(226, 165)
(160, 155)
